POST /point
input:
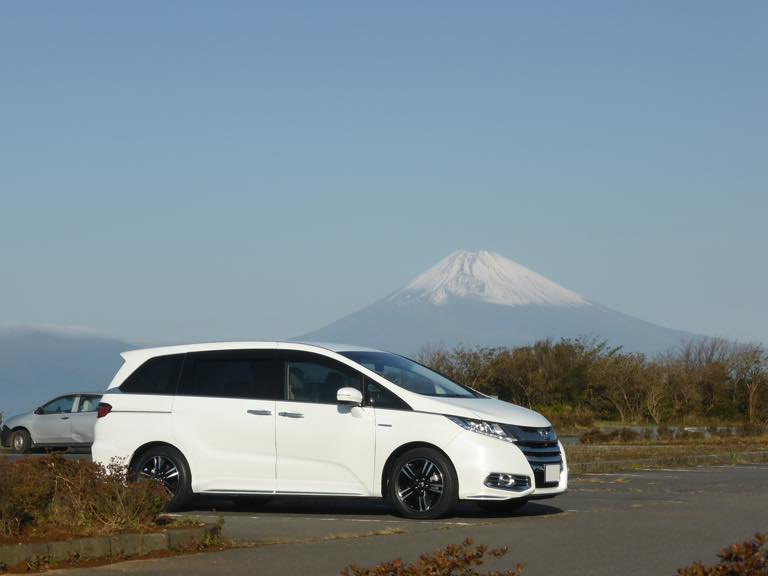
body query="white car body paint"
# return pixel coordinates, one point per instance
(242, 446)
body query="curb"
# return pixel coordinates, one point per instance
(105, 546)
(754, 457)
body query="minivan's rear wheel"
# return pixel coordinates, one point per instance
(168, 466)
(422, 484)
(21, 441)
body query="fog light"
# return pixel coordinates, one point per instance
(506, 481)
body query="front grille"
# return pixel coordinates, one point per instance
(540, 448)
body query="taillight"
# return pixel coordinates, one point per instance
(103, 410)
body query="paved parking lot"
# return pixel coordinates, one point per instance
(642, 523)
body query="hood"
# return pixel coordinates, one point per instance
(19, 419)
(492, 410)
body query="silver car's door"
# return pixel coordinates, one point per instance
(83, 420)
(52, 425)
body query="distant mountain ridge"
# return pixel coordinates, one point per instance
(40, 362)
(470, 298)
(484, 299)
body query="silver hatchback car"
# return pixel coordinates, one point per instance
(64, 422)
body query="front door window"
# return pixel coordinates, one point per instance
(63, 404)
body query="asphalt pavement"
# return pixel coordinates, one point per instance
(640, 523)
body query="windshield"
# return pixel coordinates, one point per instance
(410, 375)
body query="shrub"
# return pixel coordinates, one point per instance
(628, 435)
(567, 418)
(749, 558)
(596, 436)
(53, 495)
(453, 560)
(26, 489)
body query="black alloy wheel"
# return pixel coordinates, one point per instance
(423, 484)
(168, 466)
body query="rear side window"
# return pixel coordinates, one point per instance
(158, 375)
(88, 403)
(236, 374)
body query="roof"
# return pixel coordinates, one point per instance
(212, 346)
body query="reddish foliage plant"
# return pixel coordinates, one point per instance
(453, 560)
(749, 558)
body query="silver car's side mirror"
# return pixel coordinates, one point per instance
(349, 396)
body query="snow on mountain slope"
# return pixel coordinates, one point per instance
(490, 278)
(483, 299)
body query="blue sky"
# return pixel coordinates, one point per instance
(180, 171)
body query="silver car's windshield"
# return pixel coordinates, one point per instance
(410, 375)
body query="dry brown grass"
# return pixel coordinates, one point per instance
(643, 454)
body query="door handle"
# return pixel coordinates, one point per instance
(65, 417)
(260, 412)
(291, 414)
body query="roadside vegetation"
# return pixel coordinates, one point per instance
(453, 560)
(580, 383)
(749, 558)
(52, 498)
(617, 456)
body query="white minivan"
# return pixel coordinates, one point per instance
(285, 418)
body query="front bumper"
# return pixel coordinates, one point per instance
(5, 436)
(476, 458)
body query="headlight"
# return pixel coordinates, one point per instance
(491, 429)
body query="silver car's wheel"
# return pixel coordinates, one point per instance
(21, 441)
(423, 484)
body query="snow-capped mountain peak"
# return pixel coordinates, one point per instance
(487, 277)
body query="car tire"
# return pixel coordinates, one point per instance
(21, 441)
(165, 464)
(502, 506)
(422, 484)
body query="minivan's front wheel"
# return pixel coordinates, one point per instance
(422, 484)
(168, 466)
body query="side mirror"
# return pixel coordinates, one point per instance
(39, 410)
(350, 396)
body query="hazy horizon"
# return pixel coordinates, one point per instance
(186, 171)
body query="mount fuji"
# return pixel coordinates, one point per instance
(484, 299)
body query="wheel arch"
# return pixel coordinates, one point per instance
(21, 428)
(154, 444)
(401, 450)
